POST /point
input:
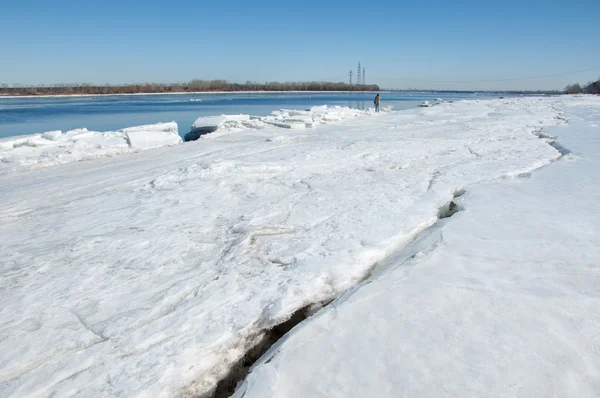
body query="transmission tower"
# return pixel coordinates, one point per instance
(350, 78)
(364, 81)
(358, 75)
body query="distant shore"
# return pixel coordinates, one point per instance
(191, 87)
(267, 92)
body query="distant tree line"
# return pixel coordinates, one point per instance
(193, 86)
(590, 88)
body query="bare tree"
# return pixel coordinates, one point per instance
(592, 87)
(194, 85)
(573, 89)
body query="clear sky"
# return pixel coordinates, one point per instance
(451, 44)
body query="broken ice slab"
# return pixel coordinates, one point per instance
(209, 124)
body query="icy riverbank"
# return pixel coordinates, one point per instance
(152, 274)
(500, 300)
(54, 148)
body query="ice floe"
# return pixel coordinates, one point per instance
(56, 147)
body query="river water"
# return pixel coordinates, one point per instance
(28, 115)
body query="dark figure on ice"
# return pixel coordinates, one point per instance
(376, 102)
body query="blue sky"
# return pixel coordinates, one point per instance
(450, 44)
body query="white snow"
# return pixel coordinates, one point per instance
(152, 136)
(218, 121)
(149, 275)
(55, 147)
(500, 300)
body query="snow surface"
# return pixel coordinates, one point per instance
(500, 300)
(55, 147)
(218, 121)
(149, 275)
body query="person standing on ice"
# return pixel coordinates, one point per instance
(376, 102)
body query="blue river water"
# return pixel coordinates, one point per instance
(28, 115)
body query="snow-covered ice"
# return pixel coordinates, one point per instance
(218, 121)
(55, 147)
(500, 300)
(150, 275)
(152, 136)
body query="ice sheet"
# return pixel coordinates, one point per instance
(501, 299)
(149, 275)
